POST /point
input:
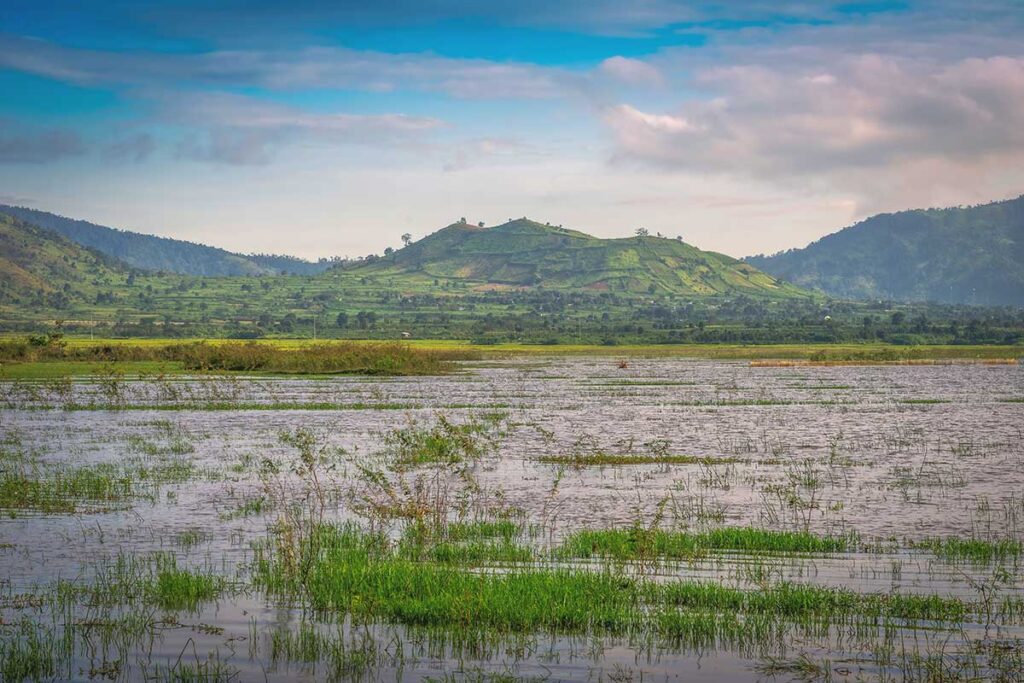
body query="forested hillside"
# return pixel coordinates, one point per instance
(163, 253)
(972, 255)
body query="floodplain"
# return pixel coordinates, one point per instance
(538, 517)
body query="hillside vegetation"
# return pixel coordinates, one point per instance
(971, 255)
(151, 252)
(522, 283)
(40, 270)
(524, 254)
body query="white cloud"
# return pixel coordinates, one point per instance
(242, 130)
(840, 124)
(308, 67)
(631, 71)
(20, 145)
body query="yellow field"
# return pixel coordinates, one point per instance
(723, 351)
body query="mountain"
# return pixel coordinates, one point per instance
(150, 252)
(523, 253)
(39, 268)
(972, 255)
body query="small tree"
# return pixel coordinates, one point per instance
(406, 239)
(342, 320)
(388, 251)
(642, 232)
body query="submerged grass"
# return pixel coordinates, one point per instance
(363, 577)
(63, 490)
(238, 406)
(616, 459)
(29, 485)
(973, 550)
(442, 442)
(637, 543)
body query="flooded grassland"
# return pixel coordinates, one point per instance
(556, 519)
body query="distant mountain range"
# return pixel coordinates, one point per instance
(527, 254)
(972, 255)
(150, 252)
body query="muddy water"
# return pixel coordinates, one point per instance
(896, 453)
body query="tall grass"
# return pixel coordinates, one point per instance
(64, 489)
(321, 358)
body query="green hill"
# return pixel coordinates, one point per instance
(42, 270)
(163, 253)
(526, 254)
(972, 255)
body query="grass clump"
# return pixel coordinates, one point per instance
(465, 543)
(504, 529)
(638, 543)
(28, 653)
(345, 658)
(441, 443)
(972, 549)
(174, 588)
(64, 489)
(363, 577)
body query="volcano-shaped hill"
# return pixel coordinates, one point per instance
(526, 254)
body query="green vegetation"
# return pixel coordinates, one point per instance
(637, 543)
(358, 575)
(39, 268)
(968, 255)
(522, 282)
(150, 252)
(28, 484)
(441, 443)
(248, 357)
(523, 253)
(182, 589)
(320, 359)
(972, 549)
(63, 489)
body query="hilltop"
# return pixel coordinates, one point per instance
(151, 252)
(972, 255)
(523, 254)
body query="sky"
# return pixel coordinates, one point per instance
(330, 128)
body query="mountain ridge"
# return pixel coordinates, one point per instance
(971, 255)
(157, 253)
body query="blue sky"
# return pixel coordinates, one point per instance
(331, 128)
